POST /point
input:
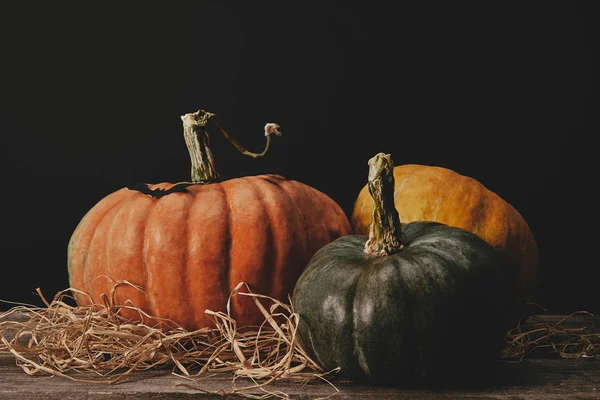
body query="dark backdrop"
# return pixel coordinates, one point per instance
(92, 93)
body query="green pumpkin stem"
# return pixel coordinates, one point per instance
(198, 144)
(385, 232)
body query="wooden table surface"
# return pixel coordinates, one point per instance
(543, 375)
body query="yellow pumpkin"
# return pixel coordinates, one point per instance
(430, 193)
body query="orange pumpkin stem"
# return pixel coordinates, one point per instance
(385, 232)
(198, 144)
(270, 128)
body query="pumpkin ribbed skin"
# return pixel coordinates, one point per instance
(435, 308)
(428, 193)
(188, 250)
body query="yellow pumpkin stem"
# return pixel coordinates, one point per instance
(385, 232)
(198, 144)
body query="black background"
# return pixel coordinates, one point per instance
(92, 93)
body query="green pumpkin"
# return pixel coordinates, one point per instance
(409, 303)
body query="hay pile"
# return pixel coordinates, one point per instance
(562, 337)
(103, 347)
(95, 344)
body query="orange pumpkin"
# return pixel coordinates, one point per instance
(442, 195)
(188, 245)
